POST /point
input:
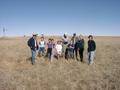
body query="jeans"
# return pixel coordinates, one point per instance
(34, 53)
(42, 50)
(91, 57)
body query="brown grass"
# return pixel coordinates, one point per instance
(17, 73)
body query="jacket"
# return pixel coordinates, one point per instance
(91, 45)
(79, 44)
(31, 44)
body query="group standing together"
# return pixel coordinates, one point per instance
(66, 47)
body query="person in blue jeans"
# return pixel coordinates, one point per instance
(91, 49)
(32, 43)
(42, 47)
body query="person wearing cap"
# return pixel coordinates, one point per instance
(65, 41)
(32, 43)
(91, 49)
(79, 48)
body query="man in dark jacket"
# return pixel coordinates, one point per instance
(79, 47)
(91, 49)
(32, 43)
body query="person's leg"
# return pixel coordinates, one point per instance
(39, 52)
(50, 53)
(92, 57)
(33, 57)
(66, 54)
(81, 54)
(63, 49)
(52, 56)
(72, 53)
(47, 52)
(43, 51)
(76, 53)
(88, 57)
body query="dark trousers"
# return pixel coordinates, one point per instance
(80, 54)
(66, 53)
(49, 53)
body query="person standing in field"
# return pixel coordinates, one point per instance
(79, 47)
(74, 39)
(91, 49)
(42, 47)
(32, 43)
(70, 50)
(50, 46)
(65, 41)
(58, 48)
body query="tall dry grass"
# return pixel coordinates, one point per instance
(17, 73)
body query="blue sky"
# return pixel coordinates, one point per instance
(97, 17)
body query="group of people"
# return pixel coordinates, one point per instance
(66, 47)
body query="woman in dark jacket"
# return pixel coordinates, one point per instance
(79, 47)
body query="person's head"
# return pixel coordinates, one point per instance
(90, 37)
(52, 40)
(42, 35)
(81, 37)
(74, 34)
(49, 40)
(42, 38)
(58, 42)
(35, 36)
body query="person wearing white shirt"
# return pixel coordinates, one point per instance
(42, 47)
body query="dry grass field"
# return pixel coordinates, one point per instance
(17, 73)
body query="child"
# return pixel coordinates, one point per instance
(42, 47)
(50, 45)
(58, 49)
(91, 49)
